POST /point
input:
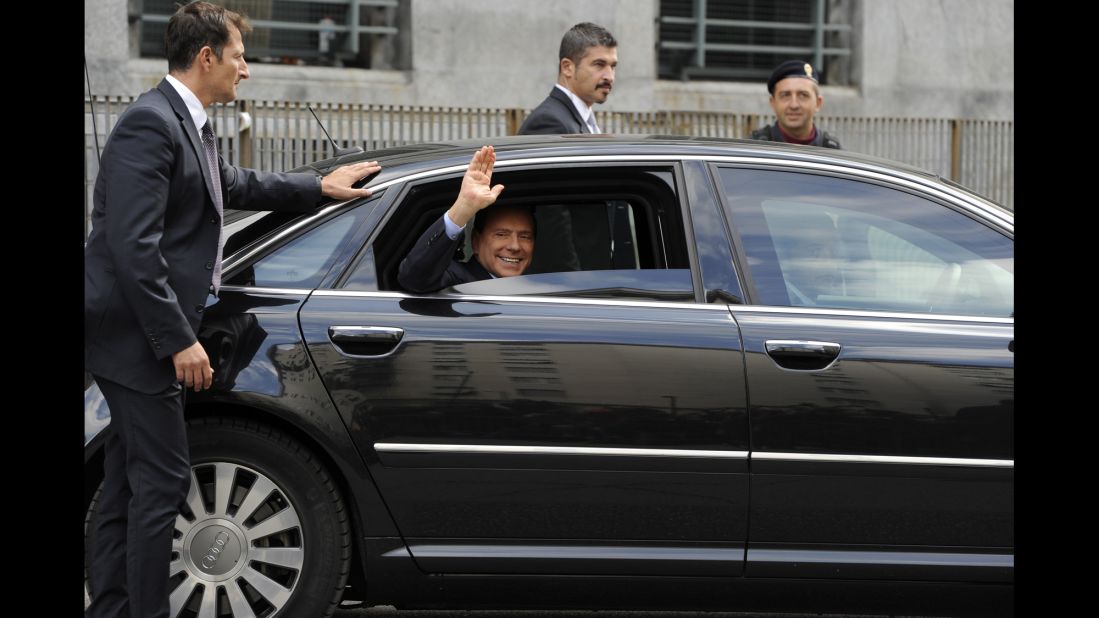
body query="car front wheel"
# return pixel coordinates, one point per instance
(264, 531)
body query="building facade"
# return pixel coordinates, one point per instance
(879, 58)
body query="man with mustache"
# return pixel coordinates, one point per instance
(586, 63)
(585, 75)
(795, 98)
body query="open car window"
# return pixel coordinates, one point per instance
(602, 232)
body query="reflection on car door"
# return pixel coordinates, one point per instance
(893, 460)
(882, 441)
(554, 436)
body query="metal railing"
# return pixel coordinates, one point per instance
(276, 136)
(721, 48)
(317, 31)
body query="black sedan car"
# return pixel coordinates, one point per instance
(738, 375)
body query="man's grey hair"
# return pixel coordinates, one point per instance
(582, 37)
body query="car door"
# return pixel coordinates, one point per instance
(879, 347)
(586, 422)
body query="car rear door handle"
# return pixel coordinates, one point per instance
(802, 355)
(365, 340)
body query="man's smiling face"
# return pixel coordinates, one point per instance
(505, 245)
(795, 101)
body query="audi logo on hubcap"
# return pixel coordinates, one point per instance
(210, 558)
(215, 550)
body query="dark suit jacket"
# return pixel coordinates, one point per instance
(148, 262)
(556, 251)
(771, 133)
(431, 266)
(556, 115)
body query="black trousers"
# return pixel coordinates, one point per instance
(147, 473)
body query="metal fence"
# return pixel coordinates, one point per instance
(746, 39)
(277, 136)
(315, 32)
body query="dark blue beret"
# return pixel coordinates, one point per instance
(791, 68)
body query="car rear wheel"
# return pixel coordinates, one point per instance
(264, 531)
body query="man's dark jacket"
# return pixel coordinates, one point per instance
(555, 115)
(431, 266)
(148, 263)
(771, 133)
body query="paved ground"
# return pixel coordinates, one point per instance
(386, 611)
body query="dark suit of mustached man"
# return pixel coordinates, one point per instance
(586, 64)
(149, 264)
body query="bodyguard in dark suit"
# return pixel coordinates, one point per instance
(503, 236)
(556, 115)
(586, 62)
(152, 258)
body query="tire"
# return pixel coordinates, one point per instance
(265, 532)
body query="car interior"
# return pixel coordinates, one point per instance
(600, 232)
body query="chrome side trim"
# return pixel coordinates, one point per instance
(357, 293)
(891, 459)
(571, 552)
(562, 300)
(283, 291)
(708, 307)
(397, 447)
(401, 447)
(859, 313)
(883, 557)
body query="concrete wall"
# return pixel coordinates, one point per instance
(939, 58)
(914, 58)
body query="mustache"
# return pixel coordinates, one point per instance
(605, 83)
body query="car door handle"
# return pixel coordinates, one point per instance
(365, 340)
(802, 355)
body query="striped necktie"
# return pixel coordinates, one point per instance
(209, 144)
(594, 128)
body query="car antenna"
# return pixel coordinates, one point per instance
(91, 101)
(339, 152)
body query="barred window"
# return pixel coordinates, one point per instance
(744, 40)
(368, 34)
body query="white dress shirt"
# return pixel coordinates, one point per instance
(585, 110)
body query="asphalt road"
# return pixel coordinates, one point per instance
(386, 611)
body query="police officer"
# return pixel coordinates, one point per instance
(795, 98)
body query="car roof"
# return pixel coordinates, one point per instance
(605, 144)
(401, 160)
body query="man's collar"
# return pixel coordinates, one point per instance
(796, 140)
(585, 110)
(194, 106)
